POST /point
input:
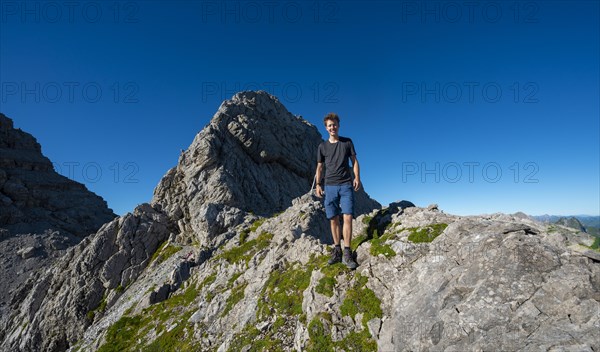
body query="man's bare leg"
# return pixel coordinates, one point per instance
(347, 256)
(335, 229)
(336, 253)
(347, 230)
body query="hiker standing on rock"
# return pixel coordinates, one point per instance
(339, 187)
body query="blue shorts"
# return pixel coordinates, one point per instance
(339, 199)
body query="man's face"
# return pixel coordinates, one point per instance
(332, 128)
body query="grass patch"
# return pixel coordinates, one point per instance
(325, 286)
(255, 225)
(367, 219)
(120, 335)
(180, 338)
(357, 241)
(596, 245)
(282, 291)
(232, 279)
(245, 251)
(378, 246)
(361, 299)
(100, 309)
(250, 337)
(208, 281)
(130, 332)
(358, 341)
(245, 233)
(164, 252)
(427, 233)
(237, 294)
(319, 337)
(327, 282)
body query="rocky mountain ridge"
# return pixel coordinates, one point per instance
(231, 256)
(34, 198)
(42, 213)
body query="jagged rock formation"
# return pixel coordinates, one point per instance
(61, 303)
(41, 212)
(254, 156)
(34, 198)
(260, 281)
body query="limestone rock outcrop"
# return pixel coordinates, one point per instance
(427, 280)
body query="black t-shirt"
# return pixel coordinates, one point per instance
(335, 156)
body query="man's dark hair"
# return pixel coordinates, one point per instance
(331, 116)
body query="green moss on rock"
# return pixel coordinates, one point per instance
(378, 246)
(427, 233)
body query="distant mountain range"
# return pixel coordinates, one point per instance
(586, 223)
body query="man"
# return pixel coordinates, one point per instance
(339, 187)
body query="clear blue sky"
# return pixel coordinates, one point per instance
(479, 107)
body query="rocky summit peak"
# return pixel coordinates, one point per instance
(253, 157)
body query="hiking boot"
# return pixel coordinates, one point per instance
(336, 256)
(349, 261)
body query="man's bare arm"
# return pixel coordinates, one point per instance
(319, 189)
(356, 169)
